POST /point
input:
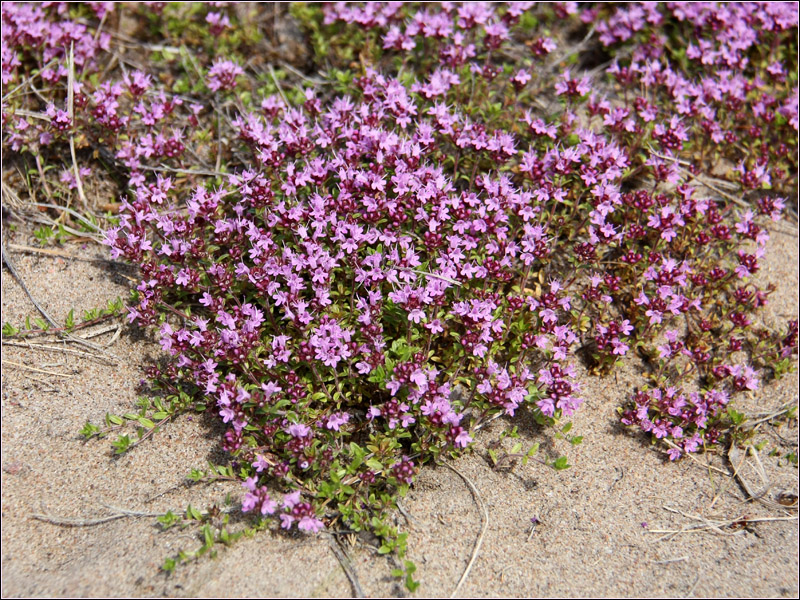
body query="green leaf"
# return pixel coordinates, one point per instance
(410, 570)
(89, 430)
(9, 330)
(736, 417)
(560, 463)
(145, 422)
(168, 520)
(122, 444)
(169, 565)
(208, 535)
(375, 465)
(528, 20)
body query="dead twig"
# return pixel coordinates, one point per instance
(120, 513)
(485, 520)
(347, 566)
(16, 275)
(694, 585)
(103, 353)
(483, 424)
(405, 514)
(69, 522)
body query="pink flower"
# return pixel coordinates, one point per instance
(223, 74)
(312, 524)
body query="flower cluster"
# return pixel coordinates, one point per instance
(729, 90)
(346, 275)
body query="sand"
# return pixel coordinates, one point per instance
(597, 520)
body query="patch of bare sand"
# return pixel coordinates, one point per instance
(591, 539)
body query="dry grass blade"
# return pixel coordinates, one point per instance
(485, 526)
(77, 235)
(714, 187)
(109, 329)
(769, 416)
(736, 468)
(34, 369)
(483, 424)
(73, 213)
(114, 337)
(10, 198)
(435, 276)
(61, 254)
(751, 494)
(27, 81)
(696, 460)
(670, 560)
(278, 85)
(71, 111)
(50, 348)
(164, 169)
(33, 115)
(716, 525)
(316, 81)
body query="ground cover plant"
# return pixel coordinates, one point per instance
(355, 272)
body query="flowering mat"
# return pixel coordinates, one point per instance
(396, 299)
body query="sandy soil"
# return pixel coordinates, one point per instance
(598, 520)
